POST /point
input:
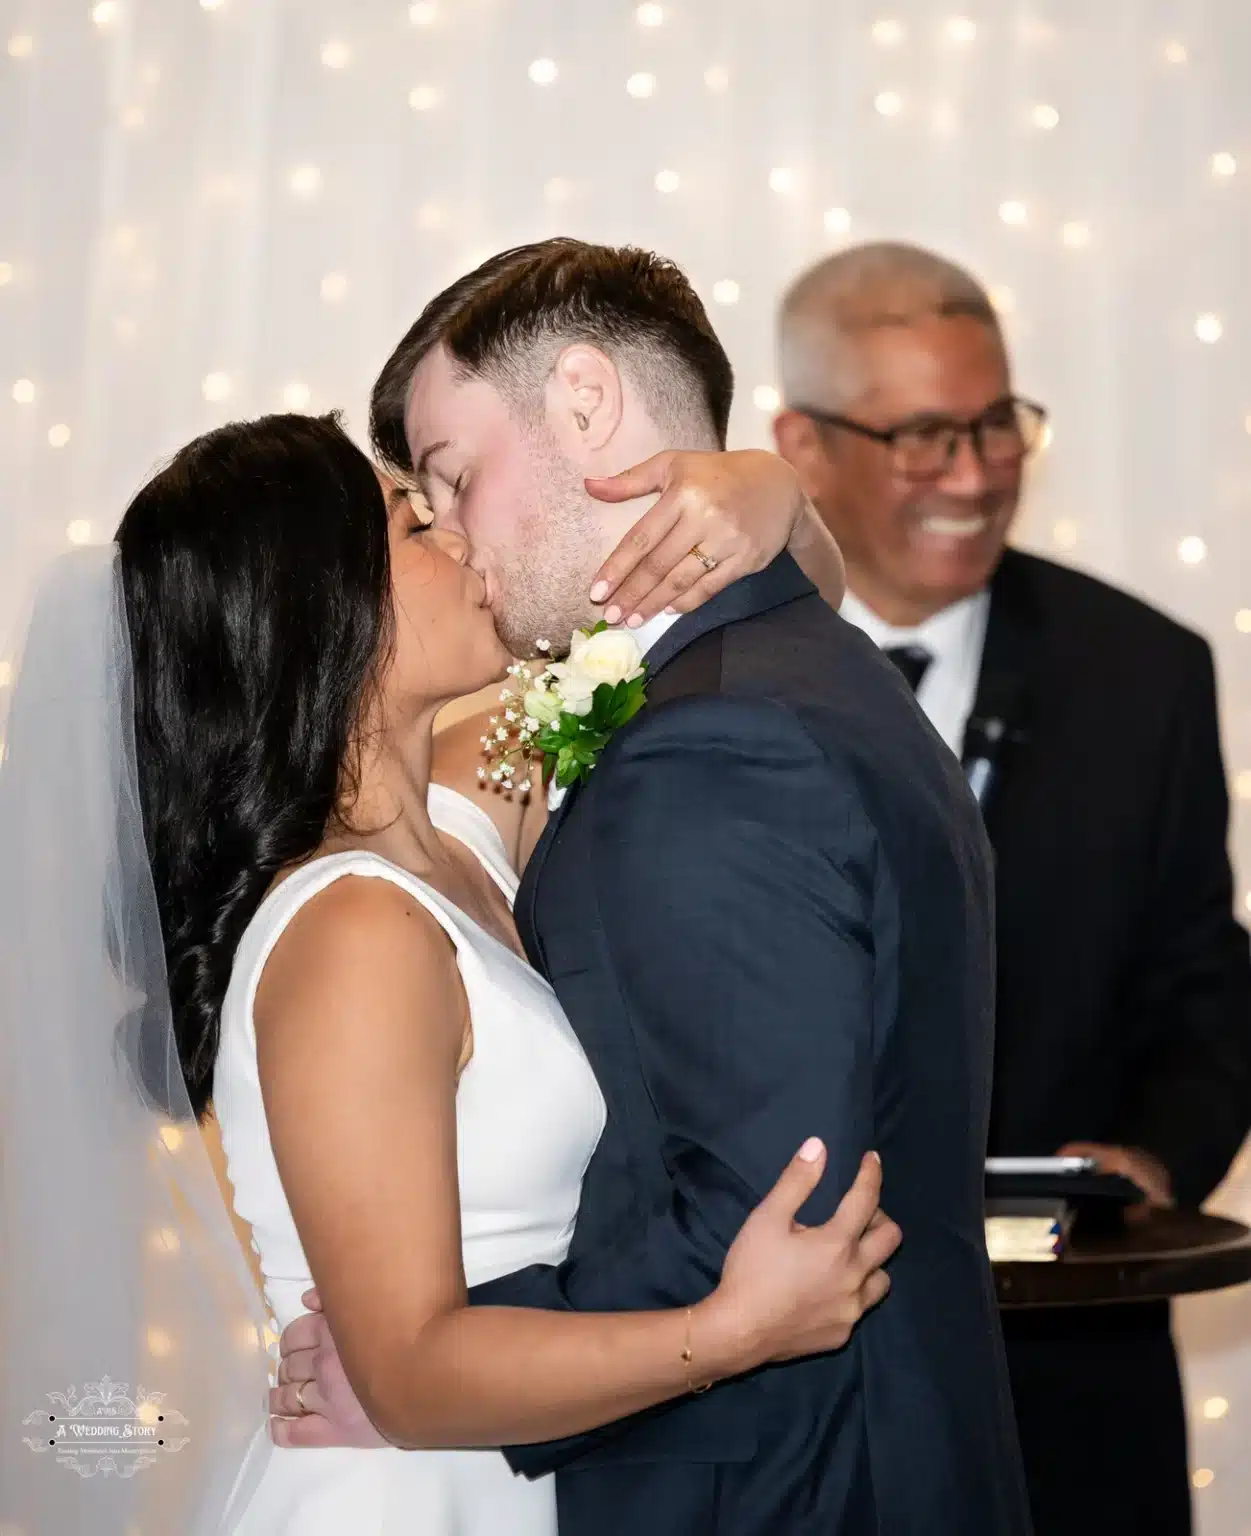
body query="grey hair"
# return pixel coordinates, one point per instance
(859, 290)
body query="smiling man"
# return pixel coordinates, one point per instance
(1087, 724)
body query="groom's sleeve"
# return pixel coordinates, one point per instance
(735, 872)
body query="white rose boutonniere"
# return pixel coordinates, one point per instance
(568, 712)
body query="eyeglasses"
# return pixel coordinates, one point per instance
(925, 447)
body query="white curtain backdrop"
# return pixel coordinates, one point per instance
(216, 208)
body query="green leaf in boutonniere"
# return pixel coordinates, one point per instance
(567, 713)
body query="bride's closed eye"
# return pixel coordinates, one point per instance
(423, 516)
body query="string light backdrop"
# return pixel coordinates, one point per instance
(221, 208)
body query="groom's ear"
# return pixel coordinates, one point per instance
(585, 400)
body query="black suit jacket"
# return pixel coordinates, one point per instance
(1124, 979)
(768, 916)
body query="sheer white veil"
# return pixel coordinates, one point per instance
(133, 1367)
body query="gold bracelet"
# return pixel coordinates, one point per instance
(688, 1360)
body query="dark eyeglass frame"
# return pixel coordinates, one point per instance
(974, 430)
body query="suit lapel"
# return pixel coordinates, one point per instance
(779, 583)
(1005, 685)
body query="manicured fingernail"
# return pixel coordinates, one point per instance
(599, 591)
(612, 615)
(811, 1150)
(877, 1158)
(671, 610)
(635, 621)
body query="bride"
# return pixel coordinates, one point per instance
(403, 1108)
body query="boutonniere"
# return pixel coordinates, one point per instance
(567, 712)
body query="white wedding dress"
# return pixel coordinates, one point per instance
(528, 1115)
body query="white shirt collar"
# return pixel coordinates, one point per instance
(942, 634)
(954, 638)
(648, 633)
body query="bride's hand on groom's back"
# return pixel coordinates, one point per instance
(790, 1290)
(326, 1411)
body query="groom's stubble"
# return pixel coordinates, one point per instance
(541, 584)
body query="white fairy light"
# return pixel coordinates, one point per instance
(305, 181)
(422, 97)
(1204, 1477)
(765, 397)
(837, 221)
(6, 273)
(543, 71)
(79, 531)
(105, 13)
(430, 216)
(24, 392)
(296, 395)
(423, 14)
(216, 386)
(336, 54)
(1224, 164)
(1192, 550)
(726, 291)
(333, 287)
(1047, 437)
(58, 435)
(1004, 300)
(1242, 785)
(888, 33)
(641, 85)
(1175, 52)
(1209, 328)
(1075, 234)
(1065, 533)
(159, 1342)
(211, 5)
(784, 180)
(1013, 213)
(21, 45)
(1215, 1408)
(667, 181)
(6, 673)
(650, 15)
(1242, 621)
(888, 103)
(960, 29)
(133, 117)
(717, 77)
(1045, 117)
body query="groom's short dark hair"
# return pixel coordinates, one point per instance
(520, 307)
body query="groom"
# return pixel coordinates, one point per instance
(767, 915)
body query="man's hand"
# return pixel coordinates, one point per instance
(326, 1412)
(740, 509)
(1150, 1175)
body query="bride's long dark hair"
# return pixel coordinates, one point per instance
(257, 585)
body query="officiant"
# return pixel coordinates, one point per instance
(1087, 723)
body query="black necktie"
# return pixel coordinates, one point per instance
(912, 660)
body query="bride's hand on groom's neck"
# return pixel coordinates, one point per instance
(738, 510)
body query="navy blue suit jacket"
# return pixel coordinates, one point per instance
(768, 916)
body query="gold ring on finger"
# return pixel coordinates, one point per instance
(299, 1397)
(708, 563)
